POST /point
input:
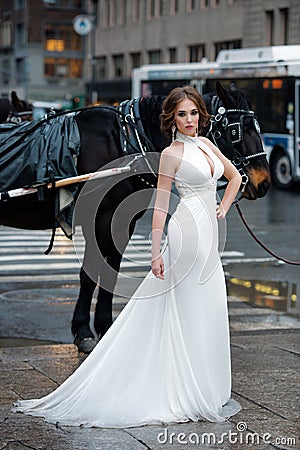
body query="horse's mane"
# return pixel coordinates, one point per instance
(232, 97)
(151, 107)
(242, 101)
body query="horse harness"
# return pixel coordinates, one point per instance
(133, 138)
(18, 117)
(132, 134)
(233, 132)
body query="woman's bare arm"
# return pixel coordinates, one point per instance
(169, 163)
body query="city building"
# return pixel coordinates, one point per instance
(41, 56)
(136, 32)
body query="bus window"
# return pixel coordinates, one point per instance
(273, 96)
(160, 87)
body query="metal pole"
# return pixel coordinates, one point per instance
(94, 94)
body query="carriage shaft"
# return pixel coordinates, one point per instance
(64, 182)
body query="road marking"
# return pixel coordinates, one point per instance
(225, 262)
(22, 251)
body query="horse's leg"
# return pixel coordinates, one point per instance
(108, 278)
(81, 316)
(83, 336)
(109, 274)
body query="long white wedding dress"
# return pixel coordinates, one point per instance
(166, 357)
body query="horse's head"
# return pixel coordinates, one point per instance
(20, 111)
(235, 131)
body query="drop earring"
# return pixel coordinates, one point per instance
(174, 129)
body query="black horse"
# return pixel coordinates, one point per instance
(15, 110)
(100, 205)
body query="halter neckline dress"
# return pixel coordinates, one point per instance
(166, 358)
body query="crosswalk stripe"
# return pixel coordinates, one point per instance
(22, 251)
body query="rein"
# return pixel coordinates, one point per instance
(280, 258)
(233, 131)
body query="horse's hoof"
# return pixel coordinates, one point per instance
(85, 345)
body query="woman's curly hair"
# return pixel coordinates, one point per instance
(167, 117)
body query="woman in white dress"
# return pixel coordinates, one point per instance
(166, 358)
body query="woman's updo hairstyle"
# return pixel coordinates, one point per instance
(170, 103)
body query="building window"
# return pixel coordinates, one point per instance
(101, 67)
(205, 4)
(106, 13)
(174, 7)
(5, 33)
(69, 4)
(60, 37)
(154, 57)
(136, 59)
(269, 27)
(6, 71)
(20, 4)
(135, 10)
(172, 55)
(20, 35)
(113, 13)
(63, 68)
(284, 18)
(118, 61)
(151, 8)
(122, 12)
(191, 5)
(227, 45)
(154, 9)
(109, 16)
(196, 52)
(20, 69)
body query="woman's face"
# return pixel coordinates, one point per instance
(187, 117)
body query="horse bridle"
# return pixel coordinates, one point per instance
(232, 131)
(16, 117)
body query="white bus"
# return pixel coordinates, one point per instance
(270, 78)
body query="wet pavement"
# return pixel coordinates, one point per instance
(265, 363)
(275, 219)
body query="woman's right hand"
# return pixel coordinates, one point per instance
(158, 267)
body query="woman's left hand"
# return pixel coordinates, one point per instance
(221, 213)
